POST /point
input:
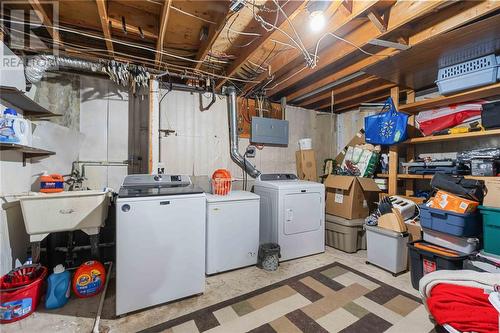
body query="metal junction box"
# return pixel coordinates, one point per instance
(269, 131)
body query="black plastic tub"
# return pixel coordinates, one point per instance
(423, 262)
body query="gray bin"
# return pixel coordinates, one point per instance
(345, 235)
(387, 249)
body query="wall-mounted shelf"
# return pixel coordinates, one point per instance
(28, 152)
(451, 137)
(422, 177)
(19, 100)
(483, 92)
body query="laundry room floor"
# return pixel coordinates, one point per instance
(78, 315)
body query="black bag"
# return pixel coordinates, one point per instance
(490, 116)
(466, 188)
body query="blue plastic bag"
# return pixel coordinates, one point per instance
(387, 127)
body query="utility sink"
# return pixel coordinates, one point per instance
(65, 211)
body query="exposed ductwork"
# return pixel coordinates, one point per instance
(233, 136)
(37, 66)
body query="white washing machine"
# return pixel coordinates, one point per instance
(232, 231)
(292, 213)
(160, 241)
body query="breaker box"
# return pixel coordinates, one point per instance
(269, 131)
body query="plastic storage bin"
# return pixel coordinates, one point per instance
(424, 262)
(460, 244)
(461, 225)
(467, 75)
(387, 249)
(491, 229)
(345, 235)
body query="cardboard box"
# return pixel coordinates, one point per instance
(492, 197)
(358, 139)
(350, 197)
(453, 203)
(306, 165)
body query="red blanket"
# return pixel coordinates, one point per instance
(464, 308)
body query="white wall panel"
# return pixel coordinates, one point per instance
(200, 144)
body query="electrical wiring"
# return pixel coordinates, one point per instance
(192, 15)
(229, 37)
(345, 41)
(141, 58)
(243, 33)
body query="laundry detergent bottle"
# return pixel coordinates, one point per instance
(58, 290)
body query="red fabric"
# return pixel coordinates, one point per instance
(441, 123)
(464, 308)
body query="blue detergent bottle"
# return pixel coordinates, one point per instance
(58, 290)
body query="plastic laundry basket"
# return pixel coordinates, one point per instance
(491, 229)
(387, 249)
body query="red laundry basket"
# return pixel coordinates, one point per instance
(221, 182)
(20, 292)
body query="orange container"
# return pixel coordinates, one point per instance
(453, 203)
(89, 279)
(51, 183)
(221, 182)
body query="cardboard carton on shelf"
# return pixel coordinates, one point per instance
(350, 197)
(306, 165)
(492, 197)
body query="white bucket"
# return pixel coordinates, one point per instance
(305, 144)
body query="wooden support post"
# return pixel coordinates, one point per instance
(393, 153)
(410, 149)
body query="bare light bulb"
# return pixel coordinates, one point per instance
(317, 21)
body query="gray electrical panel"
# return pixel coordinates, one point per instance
(269, 131)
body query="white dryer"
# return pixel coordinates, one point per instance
(292, 213)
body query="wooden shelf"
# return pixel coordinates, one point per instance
(19, 100)
(417, 177)
(483, 92)
(28, 152)
(451, 137)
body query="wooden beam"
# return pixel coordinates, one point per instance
(347, 5)
(377, 21)
(338, 90)
(103, 16)
(213, 33)
(46, 20)
(117, 24)
(292, 8)
(339, 22)
(402, 13)
(435, 25)
(370, 90)
(163, 31)
(410, 149)
(394, 153)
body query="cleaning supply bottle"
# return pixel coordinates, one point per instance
(59, 284)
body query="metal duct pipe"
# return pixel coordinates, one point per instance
(233, 136)
(38, 65)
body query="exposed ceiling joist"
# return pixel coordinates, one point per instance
(378, 21)
(291, 8)
(347, 5)
(389, 44)
(337, 22)
(118, 25)
(165, 13)
(46, 20)
(348, 86)
(103, 16)
(435, 25)
(363, 91)
(213, 33)
(401, 13)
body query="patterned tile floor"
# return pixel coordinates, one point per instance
(78, 315)
(333, 298)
